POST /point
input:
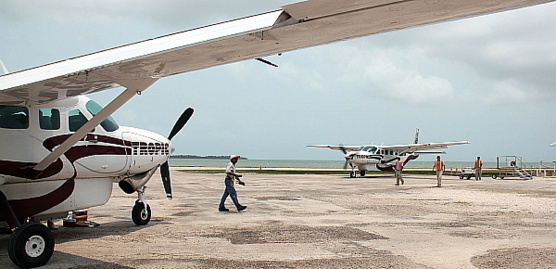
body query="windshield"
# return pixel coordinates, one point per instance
(109, 124)
(371, 149)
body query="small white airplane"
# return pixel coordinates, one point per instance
(553, 144)
(373, 157)
(61, 151)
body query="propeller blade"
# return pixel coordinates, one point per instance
(181, 122)
(165, 174)
(165, 168)
(347, 161)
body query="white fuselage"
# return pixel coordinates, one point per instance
(374, 158)
(83, 176)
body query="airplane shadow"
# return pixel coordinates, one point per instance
(69, 234)
(59, 258)
(367, 177)
(116, 228)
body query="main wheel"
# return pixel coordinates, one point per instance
(140, 214)
(362, 173)
(31, 245)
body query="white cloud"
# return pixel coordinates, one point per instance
(511, 91)
(191, 13)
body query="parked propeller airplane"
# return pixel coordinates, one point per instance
(373, 157)
(61, 151)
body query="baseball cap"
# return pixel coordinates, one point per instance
(234, 157)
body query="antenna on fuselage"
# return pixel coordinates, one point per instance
(4, 69)
(416, 136)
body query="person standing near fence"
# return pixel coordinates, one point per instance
(478, 169)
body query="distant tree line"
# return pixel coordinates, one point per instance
(201, 157)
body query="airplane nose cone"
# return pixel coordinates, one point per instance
(171, 148)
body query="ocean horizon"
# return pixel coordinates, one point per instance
(314, 164)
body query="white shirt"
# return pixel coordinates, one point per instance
(231, 168)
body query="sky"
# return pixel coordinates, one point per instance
(489, 80)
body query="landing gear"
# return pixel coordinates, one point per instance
(141, 212)
(352, 174)
(362, 173)
(31, 245)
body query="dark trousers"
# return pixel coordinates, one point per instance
(231, 191)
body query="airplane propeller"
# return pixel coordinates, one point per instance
(345, 153)
(165, 168)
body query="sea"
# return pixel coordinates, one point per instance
(315, 164)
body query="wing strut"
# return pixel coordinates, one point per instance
(135, 87)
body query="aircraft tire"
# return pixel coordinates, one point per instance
(352, 174)
(362, 173)
(140, 214)
(31, 245)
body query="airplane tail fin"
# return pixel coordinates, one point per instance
(3, 67)
(416, 136)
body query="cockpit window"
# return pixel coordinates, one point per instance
(49, 118)
(76, 120)
(14, 117)
(370, 149)
(109, 124)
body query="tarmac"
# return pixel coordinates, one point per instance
(320, 221)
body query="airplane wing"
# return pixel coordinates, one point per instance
(342, 148)
(314, 22)
(419, 147)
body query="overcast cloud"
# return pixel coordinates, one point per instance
(489, 80)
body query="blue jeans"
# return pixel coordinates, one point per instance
(231, 191)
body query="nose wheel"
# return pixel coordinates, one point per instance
(31, 245)
(141, 212)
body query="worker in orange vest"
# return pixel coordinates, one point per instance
(439, 167)
(478, 169)
(398, 167)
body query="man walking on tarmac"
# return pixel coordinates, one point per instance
(439, 167)
(398, 167)
(230, 190)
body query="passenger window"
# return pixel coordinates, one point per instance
(76, 120)
(49, 118)
(14, 117)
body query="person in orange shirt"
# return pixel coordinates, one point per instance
(478, 169)
(439, 167)
(398, 167)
